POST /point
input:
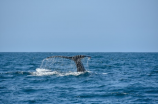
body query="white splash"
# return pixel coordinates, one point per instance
(47, 72)
(104, 73)
(59, 66)
(43, 72)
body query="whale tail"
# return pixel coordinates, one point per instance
(76, 59)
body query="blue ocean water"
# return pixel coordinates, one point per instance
(30, 78)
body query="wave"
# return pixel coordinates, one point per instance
(45, 72)
(48, 72)
(16, 73)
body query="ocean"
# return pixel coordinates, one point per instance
(110, 78)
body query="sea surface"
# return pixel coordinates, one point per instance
(110, 78)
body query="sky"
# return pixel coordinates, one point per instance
(78, 25)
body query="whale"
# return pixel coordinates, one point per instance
(77, 59)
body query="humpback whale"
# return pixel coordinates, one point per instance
(76, 59)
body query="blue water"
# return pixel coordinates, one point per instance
(29, 78)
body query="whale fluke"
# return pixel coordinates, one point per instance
(76, 59)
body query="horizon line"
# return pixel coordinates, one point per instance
(80, 52)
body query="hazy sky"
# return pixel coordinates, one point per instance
(78, 25)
